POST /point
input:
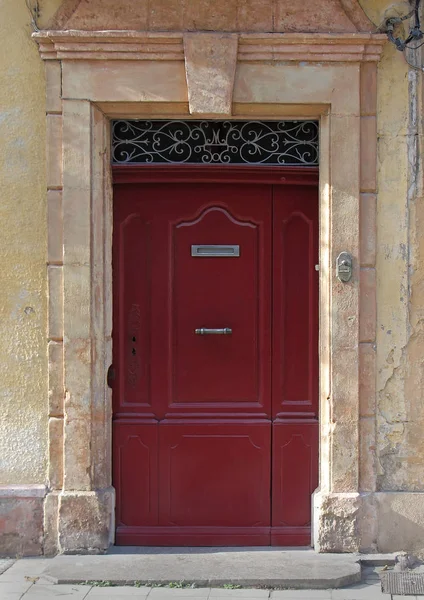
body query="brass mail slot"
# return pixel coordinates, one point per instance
(215, 250)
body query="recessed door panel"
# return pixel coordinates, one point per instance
(207, 472)
(295, 314)
(216, 327)
(135, 473)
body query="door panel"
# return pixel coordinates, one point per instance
(294, 478)
(218, 370)
(295, 314)
(135, 472)
(215, 475)
(209, 395)
(211, 445)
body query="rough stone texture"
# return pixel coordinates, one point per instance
(210, 62)
(400, 522)
(21, 520)
(213, 15)
(86, 521)
(23, 242)
(346, 523)
(51, 541)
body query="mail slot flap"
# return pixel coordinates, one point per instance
(215, 250)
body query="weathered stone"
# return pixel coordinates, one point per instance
(53, 86)
(368, 233)
(21, 520)
(54, 151)
(54, 226)
(210, 62)
(368, 154)
(85, 521)
(51, 504)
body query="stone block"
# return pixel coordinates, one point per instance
(400, 522)
(55, 453)
(126, 14)
(345, 456)
(255, 15)
(56, 389)
(345, 142)
(210, 15)
(21, 520)
(368, 229)
(368, 89)
(77, 301)
(133, 81)
(166, 15)
(336, 522)
(53, 86)
(86, 521)
(55, 322)
(367, 379)
(319, 17)
(54, 151)
(368, 306)
(51, 505)
(210, 61)
(77, 454)
(367, 454)
(77, 379)
(54, 226)
(368, 154)
(76, 196)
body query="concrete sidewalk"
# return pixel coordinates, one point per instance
(25, 580)
(210, 567)
(33, 578)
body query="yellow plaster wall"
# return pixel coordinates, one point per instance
(23, 379)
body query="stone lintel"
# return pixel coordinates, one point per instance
(252, 47)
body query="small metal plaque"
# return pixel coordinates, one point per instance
(215, 250)
(344, 266)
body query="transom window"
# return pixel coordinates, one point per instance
(215, 142)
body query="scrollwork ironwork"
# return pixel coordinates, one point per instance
(215, 142)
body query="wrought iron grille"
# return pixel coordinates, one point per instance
(215, 142)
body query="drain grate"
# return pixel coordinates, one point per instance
(402, 584)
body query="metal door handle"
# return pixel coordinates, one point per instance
(205, 331)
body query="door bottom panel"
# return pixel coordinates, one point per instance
(213, 536)
(192, 536)
(290, 536)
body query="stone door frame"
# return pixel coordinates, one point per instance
(93, 77)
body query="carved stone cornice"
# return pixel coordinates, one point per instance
(252, 47)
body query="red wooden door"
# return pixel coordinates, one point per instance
(207, 411)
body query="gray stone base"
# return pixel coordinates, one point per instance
(369, 522)
(267, 567)
(85, 521)
(21, 520)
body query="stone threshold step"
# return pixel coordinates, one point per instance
(214, 567)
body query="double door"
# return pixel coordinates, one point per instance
(215, 338)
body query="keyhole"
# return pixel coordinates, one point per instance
(133, 352)
(133, 338)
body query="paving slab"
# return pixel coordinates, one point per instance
(25, 569)
(205, 567)
(5, 563)
(41, 592)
